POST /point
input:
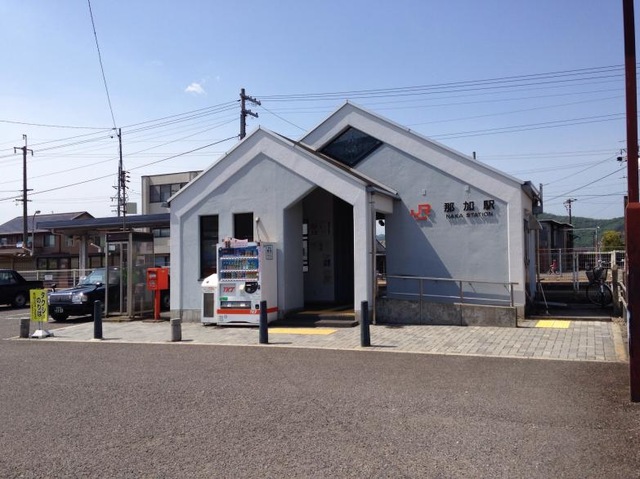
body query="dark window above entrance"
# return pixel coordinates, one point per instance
(351, 147)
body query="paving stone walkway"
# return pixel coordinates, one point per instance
(572, 340)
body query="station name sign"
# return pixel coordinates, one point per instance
(469, 210)
(452, 212)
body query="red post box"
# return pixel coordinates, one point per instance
(157, 280)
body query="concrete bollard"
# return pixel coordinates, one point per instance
(264, 332)
(97, 319)
(176, 329)
(365, 335)
(24, 327)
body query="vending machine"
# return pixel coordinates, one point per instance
(247, 275)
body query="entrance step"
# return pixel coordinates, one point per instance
(341, 316)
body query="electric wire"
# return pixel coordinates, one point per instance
(113, 174)
(587, 184)
(45, 125)
(104, 78)
(582, 171)
(563, 76)
(281, 118)
(531, 126)
(129, 155)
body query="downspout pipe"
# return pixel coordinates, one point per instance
(372, 246)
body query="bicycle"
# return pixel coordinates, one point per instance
(597, 290)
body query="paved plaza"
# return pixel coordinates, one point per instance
(558, 339)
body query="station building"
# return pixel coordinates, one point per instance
(459, 235)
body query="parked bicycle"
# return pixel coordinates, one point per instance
(598, 292)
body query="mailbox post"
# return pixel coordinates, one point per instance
(157, 281)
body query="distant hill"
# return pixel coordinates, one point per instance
(612, 224)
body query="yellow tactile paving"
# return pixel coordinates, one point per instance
(553, 323)
(317, 331)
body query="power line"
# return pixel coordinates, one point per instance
(583, 170)
(71, 127)
(557, 77)
(281, 118)
(104, 78)
(131, 169)
(588, 184)
(186, 152)
(530, 126)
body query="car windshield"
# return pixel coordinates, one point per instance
(98, 276)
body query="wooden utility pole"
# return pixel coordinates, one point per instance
(244, 112)
(632, 211)
(24, 188)
(568, 204)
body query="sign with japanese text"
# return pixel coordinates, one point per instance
(469, 209)
(38, 302)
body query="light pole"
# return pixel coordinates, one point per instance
(33, 231)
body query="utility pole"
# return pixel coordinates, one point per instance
(121, 185)
(244, 112)
(632, 211)
(567, 204)
(24, 188)
(119, 207)
(123, 179)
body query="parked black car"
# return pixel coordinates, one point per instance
(14, 289)
(78, 301)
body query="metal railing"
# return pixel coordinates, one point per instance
(62, 278)
(572, 265)
(569, 261)
(465, 291)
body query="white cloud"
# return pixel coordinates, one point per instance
(195, 88)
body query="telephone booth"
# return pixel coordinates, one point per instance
(131, 253)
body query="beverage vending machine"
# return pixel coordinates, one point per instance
(246, 276)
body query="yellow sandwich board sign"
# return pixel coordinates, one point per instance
(38, 301)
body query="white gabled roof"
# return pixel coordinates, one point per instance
(254, 144)
(396, 135)
(404, 139)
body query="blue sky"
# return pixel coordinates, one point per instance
(536, 89)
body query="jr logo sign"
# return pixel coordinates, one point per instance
(423, 212)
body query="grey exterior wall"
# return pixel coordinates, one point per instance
(447, 247)
(271, 176)
(450, 245)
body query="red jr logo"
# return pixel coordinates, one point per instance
(228, 289)
(423, 213)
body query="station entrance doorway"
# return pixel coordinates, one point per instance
(328, 245)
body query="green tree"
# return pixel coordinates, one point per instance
(612, 240)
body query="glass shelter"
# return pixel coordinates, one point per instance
(128, 255)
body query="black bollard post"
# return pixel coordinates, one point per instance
(365, 336)
(97, 319)
(24, 327)
(264, 333)
(176, 329)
